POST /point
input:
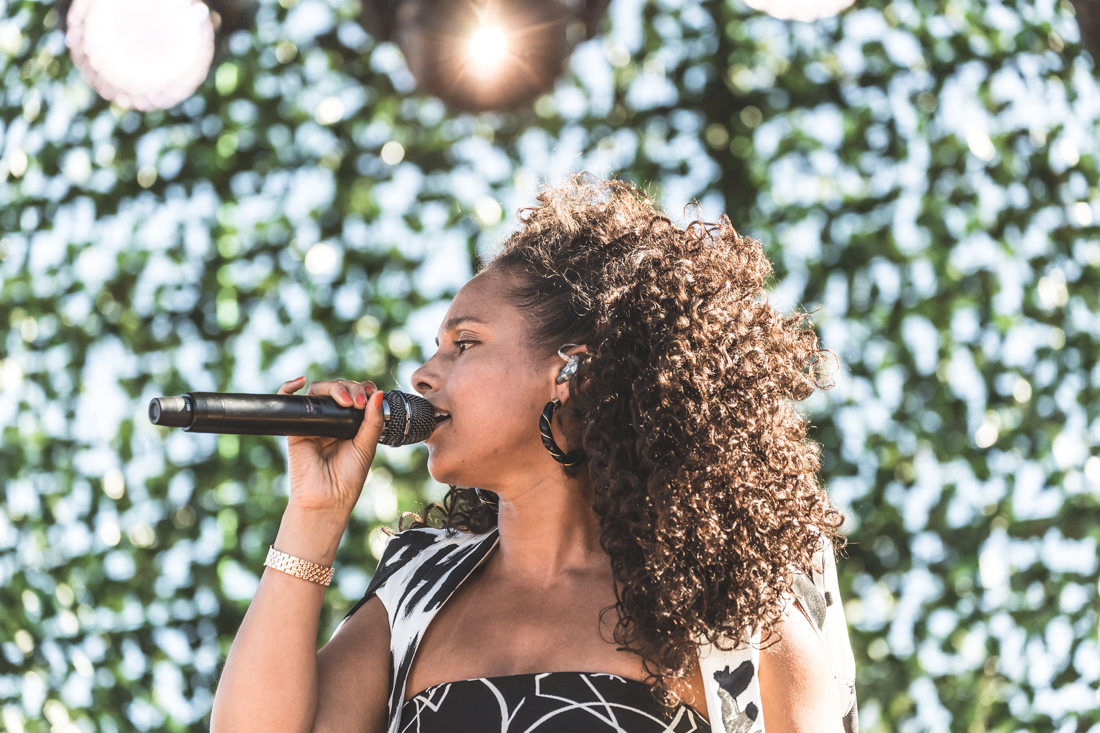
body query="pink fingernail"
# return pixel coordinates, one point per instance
(345, 395)
(360, 400)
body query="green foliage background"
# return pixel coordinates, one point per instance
(923, 174)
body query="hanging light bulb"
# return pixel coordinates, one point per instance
(150, 54)
(485, 54)
(804, 10)
(141, 54)
(488, 47)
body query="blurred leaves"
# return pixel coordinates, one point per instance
(923, 175)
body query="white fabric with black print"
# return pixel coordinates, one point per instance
(421, 568)
(730, 677)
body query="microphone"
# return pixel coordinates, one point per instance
(409, 418)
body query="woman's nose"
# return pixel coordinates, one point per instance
(423, 380)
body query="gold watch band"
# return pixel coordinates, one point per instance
(298, 567)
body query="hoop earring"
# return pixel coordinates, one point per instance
(482, 496)
(566, 459)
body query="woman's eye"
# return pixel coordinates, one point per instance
(460, 344)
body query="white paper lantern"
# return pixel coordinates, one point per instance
(141, 54)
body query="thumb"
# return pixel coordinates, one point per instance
(370, 430)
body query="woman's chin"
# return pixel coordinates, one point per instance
(439, 470)
(450, 475)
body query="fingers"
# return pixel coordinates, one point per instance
(366, 440)
(292, 386)
(364, 396)
(361, 392)
(346, 392)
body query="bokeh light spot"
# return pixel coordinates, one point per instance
(1082, 213)
(392, 153)
(17, 163)
(980, 145)
(487, 47)
(488, 210)
(321, 259)
(78, 166)
(329, 111)
(114, 485)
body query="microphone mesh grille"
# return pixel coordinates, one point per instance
(421, 424)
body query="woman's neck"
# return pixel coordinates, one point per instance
(548, 530)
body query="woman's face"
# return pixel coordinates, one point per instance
(493, 388)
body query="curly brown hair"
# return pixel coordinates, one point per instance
(705, 483)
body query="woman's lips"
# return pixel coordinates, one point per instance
(439, 422)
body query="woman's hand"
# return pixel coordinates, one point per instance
(270, 678)
(327, 474)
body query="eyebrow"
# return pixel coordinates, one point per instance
(453, 323)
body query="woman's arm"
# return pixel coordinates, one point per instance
(354, 671)
(274, 679)
(798, 692)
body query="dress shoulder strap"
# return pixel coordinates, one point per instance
(730, 678)
(400, 549)
(818, 593)
(732, 687)
(418, 572)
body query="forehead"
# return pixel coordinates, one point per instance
(482, 295)
(482, 300)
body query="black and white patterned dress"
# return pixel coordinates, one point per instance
(550, 702)
(421, 568)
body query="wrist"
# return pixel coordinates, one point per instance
(311, 534)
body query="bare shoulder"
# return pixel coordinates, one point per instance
(797, 689)
(353, 671)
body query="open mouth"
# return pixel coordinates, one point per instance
(441, 418)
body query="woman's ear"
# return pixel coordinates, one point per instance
(562, 391)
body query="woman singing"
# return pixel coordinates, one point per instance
(648, 547)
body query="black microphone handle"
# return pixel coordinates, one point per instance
(408, 417)
(272, 414)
